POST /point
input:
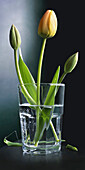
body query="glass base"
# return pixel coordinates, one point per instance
(43, 148)
(47, 144)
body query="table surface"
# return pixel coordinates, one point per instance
(13, 158)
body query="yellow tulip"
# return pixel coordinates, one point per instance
(48, 24)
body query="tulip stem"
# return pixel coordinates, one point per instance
(62, 77)
(17, 67)
(38, 84)
(54, 132)
(39, 70)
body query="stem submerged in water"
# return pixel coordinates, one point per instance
(54, 132)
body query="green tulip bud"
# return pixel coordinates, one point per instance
(48, 24)
(71, 63)
(15, 39)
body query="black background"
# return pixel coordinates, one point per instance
(69, 39)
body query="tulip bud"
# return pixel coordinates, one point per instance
(15, 39)
(71, 63)
(48, 25)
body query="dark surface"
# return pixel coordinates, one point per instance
(12, 158)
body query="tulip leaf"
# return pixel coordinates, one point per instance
(52, 92)
(50, 99)
(46, 112)
(43, 119)
(28, 78)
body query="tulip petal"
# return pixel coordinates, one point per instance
(48, 24)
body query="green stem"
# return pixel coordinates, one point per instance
(9, 143)
(38, 85)
(54, 132)
(20, 78)
(12, 143)
(39, 71)
(71, 147)
(62, 77)
(20, 53)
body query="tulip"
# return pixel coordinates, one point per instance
(69, 66)
(48, 24)
(15, 39)
(47, 28)
(71, 63)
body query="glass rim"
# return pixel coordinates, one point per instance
(52, 84)
(42, 105)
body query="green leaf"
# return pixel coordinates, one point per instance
(28, 78)
(42, 124)
(50, 99)
(52, 92)
(46, 113)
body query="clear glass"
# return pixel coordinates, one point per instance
(54, 112)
